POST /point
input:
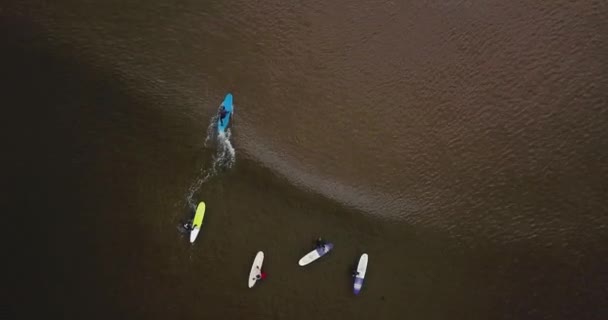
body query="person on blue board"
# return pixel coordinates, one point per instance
(222, 114)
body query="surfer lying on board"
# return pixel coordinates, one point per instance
(222, 114)
(355, 273)
(261, 275)
(319, 243)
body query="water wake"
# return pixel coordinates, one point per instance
(223, 157)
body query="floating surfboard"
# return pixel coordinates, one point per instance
(198, 221)
(315, 254)
(256, 268)
(222, 124)
(361, 269)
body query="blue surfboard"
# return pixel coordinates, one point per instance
(360, 275)
(316, 254)
(222, 123)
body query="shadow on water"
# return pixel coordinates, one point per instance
(84, 197)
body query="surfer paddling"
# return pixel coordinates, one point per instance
(222, 114)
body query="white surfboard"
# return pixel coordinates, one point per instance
(315, 254)
(256, 268)
(194, 233)
(361, 269)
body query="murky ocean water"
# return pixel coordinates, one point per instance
(461, 144)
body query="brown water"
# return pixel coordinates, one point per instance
(462, 144)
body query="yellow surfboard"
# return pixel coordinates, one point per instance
(198, 221)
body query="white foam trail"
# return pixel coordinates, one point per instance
(225, 154)
(224, 157)
(211, 131)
